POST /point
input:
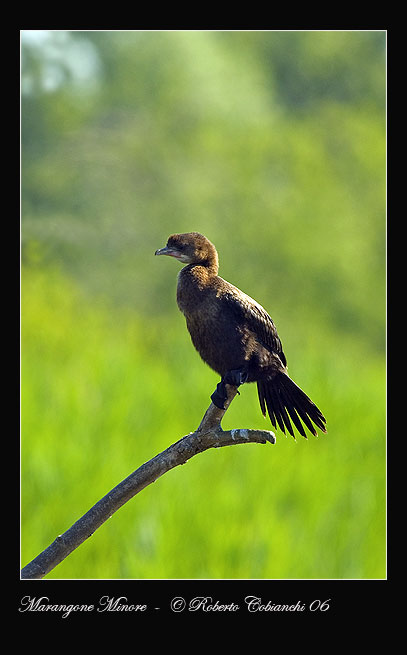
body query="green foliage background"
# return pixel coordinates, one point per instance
(273, 145)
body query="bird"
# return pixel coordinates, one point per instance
(236, 337)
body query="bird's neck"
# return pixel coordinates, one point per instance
(205, 270)
(197, 274)
(194, 281)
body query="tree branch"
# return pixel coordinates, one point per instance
(208, 435)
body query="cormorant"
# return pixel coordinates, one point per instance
(236, 336)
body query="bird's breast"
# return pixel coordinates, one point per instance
(222, 336)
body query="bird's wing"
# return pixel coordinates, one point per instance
(255, 318)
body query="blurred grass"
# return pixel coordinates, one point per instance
(104, 390)
(272, 144)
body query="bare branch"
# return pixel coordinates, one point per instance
(208, 435)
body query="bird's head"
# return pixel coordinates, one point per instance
(191, 248)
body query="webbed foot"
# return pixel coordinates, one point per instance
(235, 377)
(219, 396)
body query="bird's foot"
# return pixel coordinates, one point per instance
(219, 396)
(235, 377)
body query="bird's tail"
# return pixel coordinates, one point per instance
(284, 400)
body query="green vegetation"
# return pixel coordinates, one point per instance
(273, 145)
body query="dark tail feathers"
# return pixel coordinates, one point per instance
(284, 400)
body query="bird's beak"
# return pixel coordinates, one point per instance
(166, 251)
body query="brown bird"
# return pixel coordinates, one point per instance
(236, 336)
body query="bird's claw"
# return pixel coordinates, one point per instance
(235, 378)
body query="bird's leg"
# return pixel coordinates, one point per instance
(235, 377)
